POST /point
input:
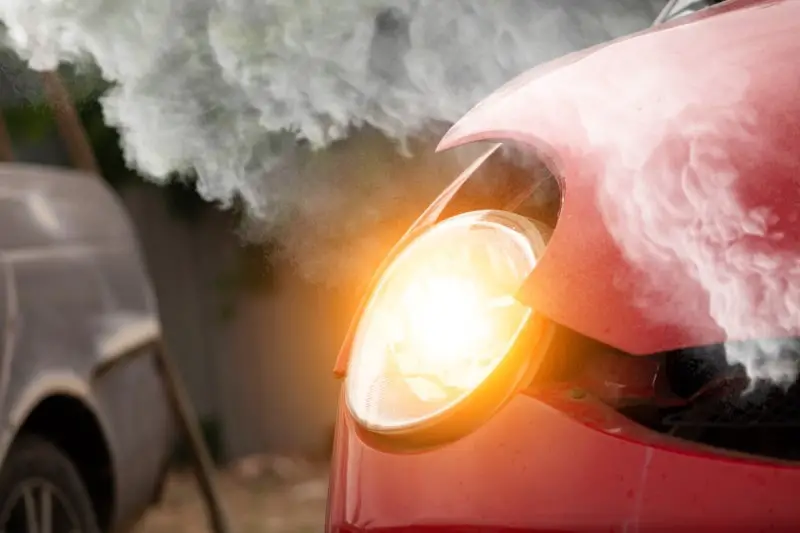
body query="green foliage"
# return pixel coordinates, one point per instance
(30, 123)
(35, 122)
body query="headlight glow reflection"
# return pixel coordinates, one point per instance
(441, 320)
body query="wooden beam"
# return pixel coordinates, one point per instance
(6, 146)
(203, 466)
(68, 122)
(74, 136)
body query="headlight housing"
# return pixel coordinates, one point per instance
(439, 331)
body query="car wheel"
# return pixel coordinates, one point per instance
(42, 492)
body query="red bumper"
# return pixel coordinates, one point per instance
(534, 467)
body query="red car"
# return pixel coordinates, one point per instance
(620, 355)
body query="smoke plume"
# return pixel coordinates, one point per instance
(668, 207)
(240, 93)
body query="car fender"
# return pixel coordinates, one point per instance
(645, 133)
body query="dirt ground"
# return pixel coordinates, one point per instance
(261, 495)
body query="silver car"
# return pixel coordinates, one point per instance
(86, 431)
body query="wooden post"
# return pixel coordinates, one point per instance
(69, 124)
(6, 147)
(201, 458)
(73, 134)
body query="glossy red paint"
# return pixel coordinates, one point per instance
(646, 132)
(727, 83)
(534, 467)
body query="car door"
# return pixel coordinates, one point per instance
(57, 294)
(5, 322)
(8, 306)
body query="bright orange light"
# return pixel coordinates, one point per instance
(440, 321)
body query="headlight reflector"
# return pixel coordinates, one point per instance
(441, 319)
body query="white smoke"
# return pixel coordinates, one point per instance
(237, 91)
(666, 208)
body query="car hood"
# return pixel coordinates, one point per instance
(679, 154)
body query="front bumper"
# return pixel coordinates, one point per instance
(556, 461)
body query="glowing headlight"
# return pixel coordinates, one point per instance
(441, 320)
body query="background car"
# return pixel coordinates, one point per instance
(620, 362)
(86, 432)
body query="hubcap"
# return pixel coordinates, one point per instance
(38, 506)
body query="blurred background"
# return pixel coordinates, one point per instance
(253, 332)
(253, 338)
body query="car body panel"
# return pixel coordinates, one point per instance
(132, 403)
(75, 286)
(646, 132)
(554, 463)
(612, 121)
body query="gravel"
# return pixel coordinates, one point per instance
(260, 495)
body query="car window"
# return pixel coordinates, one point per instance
(680, 8)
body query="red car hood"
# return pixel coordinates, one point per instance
(679, 150)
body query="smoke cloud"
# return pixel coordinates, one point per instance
(240, 93)
(686, 207)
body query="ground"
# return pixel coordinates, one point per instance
(262, 494)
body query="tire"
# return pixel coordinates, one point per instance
(36, 471)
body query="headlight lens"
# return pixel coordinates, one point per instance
(441, 319)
